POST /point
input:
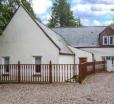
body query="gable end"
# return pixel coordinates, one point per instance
(40, 27)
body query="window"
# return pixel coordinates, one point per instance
(105, 40)
(113, 60)
(108, 40)
(111, 40)
(38, 64)
(6, 63)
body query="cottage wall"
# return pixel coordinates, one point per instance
(22, 40)
(80, 53)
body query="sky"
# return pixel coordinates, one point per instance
(91, 12)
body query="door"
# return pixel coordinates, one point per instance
(82, 59)
(112, 59)
(109, 66)
(110, 63)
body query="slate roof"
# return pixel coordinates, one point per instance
(81, 37)
(57, 39)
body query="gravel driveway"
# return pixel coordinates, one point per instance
(96, 89)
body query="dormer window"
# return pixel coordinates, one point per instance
(111, 40)
(108, 40)
(105, 40)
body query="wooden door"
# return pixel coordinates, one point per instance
(82, 59)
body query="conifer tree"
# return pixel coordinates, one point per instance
(62, 16)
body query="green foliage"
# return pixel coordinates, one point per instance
(62, 15)
(8, 8)
(5, 16)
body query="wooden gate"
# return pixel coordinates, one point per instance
(88, 68)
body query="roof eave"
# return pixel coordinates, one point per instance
(60, 53)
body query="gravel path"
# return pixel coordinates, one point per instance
(96, 89)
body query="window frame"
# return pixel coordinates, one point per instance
(105, 37)
(110, 40)
(37, 66)
(6, 66)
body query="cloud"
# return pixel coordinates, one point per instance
(41, 6)
(98, 1)
(41, 9)
(99, 10)
(93, 9)
(87, 22)
(45, 17)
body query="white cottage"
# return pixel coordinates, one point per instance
(30, 42)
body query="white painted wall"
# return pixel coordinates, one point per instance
(80, 53)
(22, 40)
(100, 52)
(66, 59)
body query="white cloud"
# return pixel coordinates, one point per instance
(92, 10)
(107, 22)
(94, 1)
(99, 1)
(87, 22)
(96, 23)
(45, 18)
(41, 6)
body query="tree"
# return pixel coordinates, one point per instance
(5, 16)
(8, 8)
(62, 15)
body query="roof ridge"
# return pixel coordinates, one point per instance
(77, 27)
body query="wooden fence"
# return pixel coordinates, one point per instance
(48, 73)
(88, 68)
(32, 73)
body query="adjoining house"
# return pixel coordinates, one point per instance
(98, 40)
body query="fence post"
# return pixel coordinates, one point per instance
(94, 69)
(18, 71)
(50, 72)
(80, 73)
(104, 68)
(0, 72)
